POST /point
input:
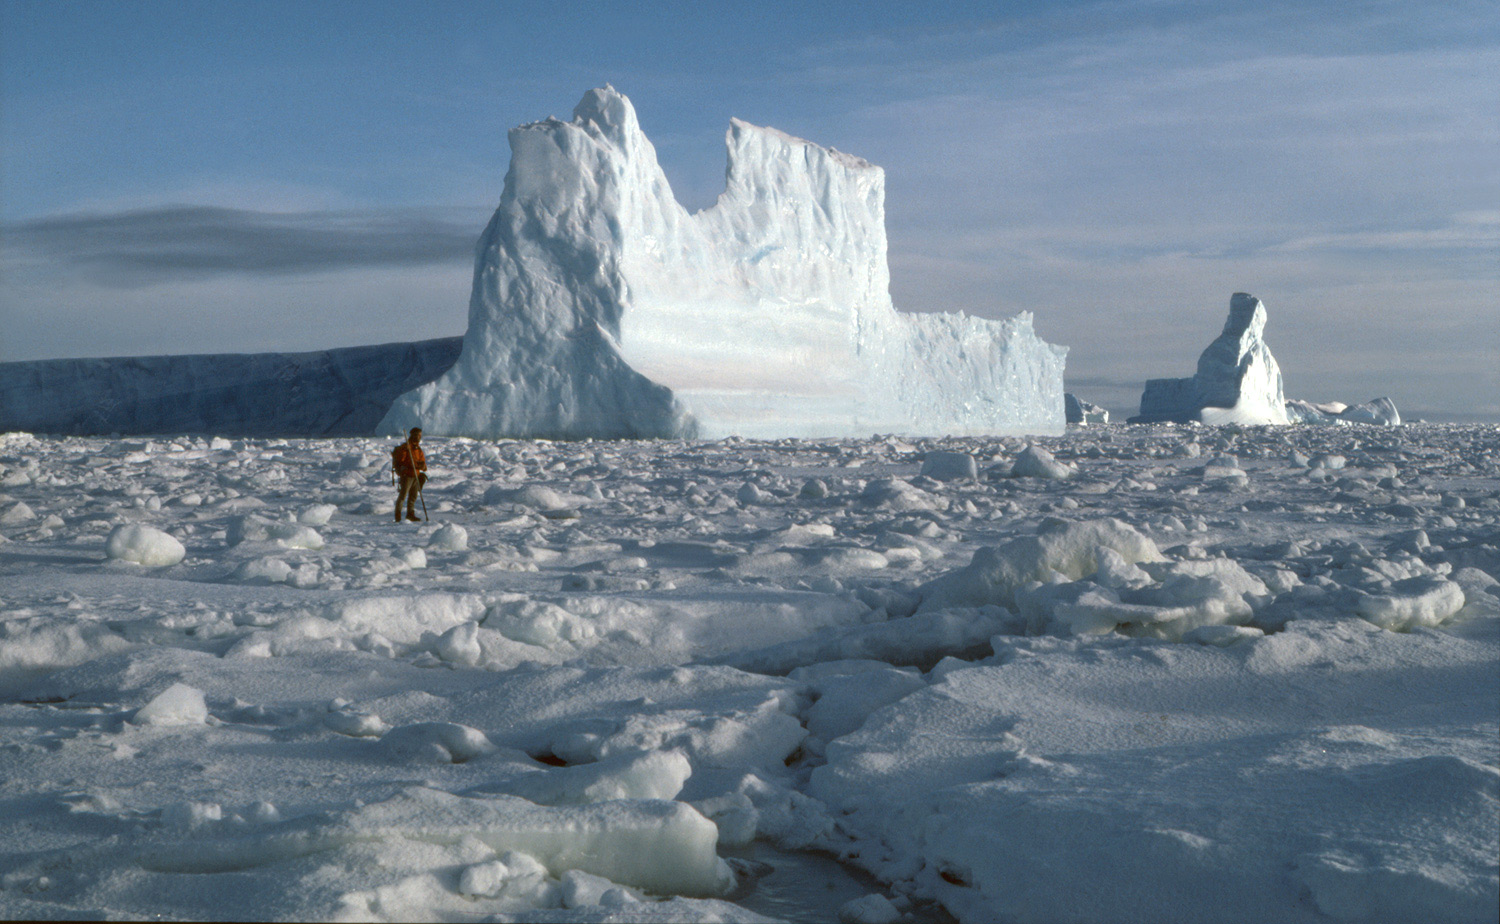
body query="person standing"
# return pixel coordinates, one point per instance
(410, 465)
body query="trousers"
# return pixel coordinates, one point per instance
(407, 493)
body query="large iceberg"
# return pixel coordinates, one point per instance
(341, 392)
(1238, 380)
(602, 308)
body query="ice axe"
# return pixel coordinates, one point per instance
(421, 478)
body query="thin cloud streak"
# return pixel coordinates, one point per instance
(146, 246)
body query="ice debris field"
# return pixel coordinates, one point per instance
(1149, 673)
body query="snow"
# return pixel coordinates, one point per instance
(601, 308)
(1238, 673)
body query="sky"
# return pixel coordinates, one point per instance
(194, 177)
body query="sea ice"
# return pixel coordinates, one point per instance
(1213, 670)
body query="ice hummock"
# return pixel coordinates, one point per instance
(1238, 380)
(602, 308)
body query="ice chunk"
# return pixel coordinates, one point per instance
(485, 880)
(317, 514)
(178, 704)
(27, 645)
(664, 847)
(871, 909)
(1414, 602)
(581, 890)
(17, 513)
(436, 742)
(263, 571)
(950, 466)
(538, 497)
(143, 545)
(639, 775)
(601, 308)
(1078, 411)
(449, 537)
(1238, 380)
(251, 528)
(460, 645)
(1066, 550)
(898, 495)
(1036, 462)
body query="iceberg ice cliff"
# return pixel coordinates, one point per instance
(601, 308)
(341, 392)
(1238, 380)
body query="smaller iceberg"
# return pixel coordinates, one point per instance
(1376, 411)
(1081, 412)
(1238, 380)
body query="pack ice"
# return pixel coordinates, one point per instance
(1127, 675)
(601, 308)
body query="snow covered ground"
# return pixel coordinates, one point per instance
(1149, 673)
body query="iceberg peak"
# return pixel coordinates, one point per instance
(1247, 318)
(608, 111)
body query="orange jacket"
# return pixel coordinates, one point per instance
(408, 460)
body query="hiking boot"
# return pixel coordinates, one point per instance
(398, 516)
(413, 517)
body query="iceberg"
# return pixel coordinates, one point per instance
(1081, 412)
(1238, 380)
(602, 308)
(1380, 411)
(340, 392)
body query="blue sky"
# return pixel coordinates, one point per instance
(204, 177)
